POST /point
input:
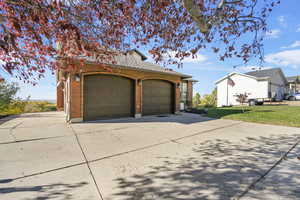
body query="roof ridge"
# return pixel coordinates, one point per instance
(275, 68)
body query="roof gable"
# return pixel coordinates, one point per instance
(143, 57)
(271, 73)
(236, 73)
(131, 60)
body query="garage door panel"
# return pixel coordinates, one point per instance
(157, 97)
(108, 96)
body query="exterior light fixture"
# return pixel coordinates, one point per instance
(77, 77)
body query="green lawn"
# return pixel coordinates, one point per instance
(271, 114)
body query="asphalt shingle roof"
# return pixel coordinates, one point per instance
(292, 78)
(264, 73)
(132, 62)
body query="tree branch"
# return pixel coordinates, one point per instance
(194, 10)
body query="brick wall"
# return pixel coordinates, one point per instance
(177, 99)
(190, 94)
(138, 97)
(76, 101)
(60, 97)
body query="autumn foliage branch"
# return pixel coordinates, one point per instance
(31, 29)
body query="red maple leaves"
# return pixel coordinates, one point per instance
(34, 32)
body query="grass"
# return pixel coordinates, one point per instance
(19, 107)
(269, 114)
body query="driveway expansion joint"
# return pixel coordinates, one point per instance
(174, 141)
(45, 172)
(15, 126)
(12, 135)
(262, 177)
(206, 131)
(34, 139)
(87, 163)
(11, 131)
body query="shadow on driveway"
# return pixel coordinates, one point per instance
(43, 192)
(4, 119)
(184, 118)
(217, 169)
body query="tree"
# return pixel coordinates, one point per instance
(7, 93)
(197, 99)
(30, 30)
(242, 98)
(210, 99)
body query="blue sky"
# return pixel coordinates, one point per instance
(282, 49)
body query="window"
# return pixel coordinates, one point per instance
(183, 92)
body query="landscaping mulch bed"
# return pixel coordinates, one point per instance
(196, 111)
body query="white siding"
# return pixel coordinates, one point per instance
(243, 84)
(67, 93)
(277, 87)
(277, 79)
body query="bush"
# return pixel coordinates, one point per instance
(39, 106)
(8, 92)
(51, 107)
(210, 100)
(15, 107)
(10, 105)
(196, 100)
(19, 106)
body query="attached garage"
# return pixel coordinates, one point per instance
(127, 87)
(107, 96)
(157, 97)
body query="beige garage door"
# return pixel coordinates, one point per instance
(108, 96)
(157, 97)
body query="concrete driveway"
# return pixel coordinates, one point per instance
(177, 157)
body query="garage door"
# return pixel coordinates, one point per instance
(107, 96)
(157, 97)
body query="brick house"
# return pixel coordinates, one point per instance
(130, 87)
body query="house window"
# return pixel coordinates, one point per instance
(184, 92)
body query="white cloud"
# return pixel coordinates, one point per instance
(298, 29)
(209, 67)
(294, 45)
(248, 68)
(198, 58)
(274, 33)
(285, 58)
(282, 21)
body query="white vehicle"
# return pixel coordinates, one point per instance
(294, 97)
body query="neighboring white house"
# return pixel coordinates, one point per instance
(262, 84)
(293, 85)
